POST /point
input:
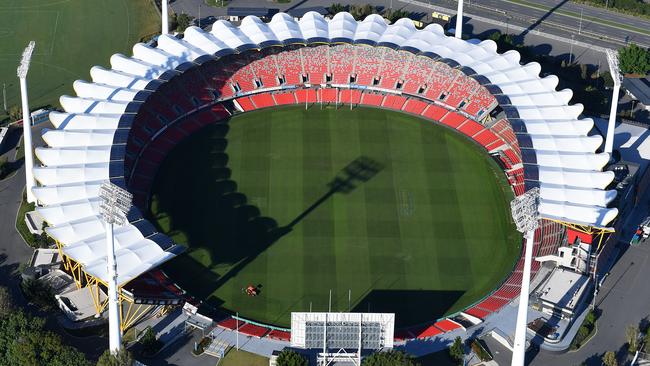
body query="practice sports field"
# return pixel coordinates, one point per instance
(71, 36)
(418, 225)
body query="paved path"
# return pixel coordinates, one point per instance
(13, 251)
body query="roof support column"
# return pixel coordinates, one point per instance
(459, 20)
(612, 61)
(609, 138)
(165, 16)
(519, 349)
(114, 332)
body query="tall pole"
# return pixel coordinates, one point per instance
(330, 306)
(199, 15)
(571, 52)
(612, 60)
(519, 349)
(27, 125)
(525, 215)
(165, 16)
(459, 20)
(4, 96)
(349, 300)
(115, 335)
(237, 331)
(580, 25)
(115, 203)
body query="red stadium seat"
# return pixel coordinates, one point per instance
(372, 99)
(434, 112)
(246, 104)
(447, 325)
(253, 330)
(415, 106)
(394, 102)
(470, 128)
(263, 100)
(229, 323)
(453, 119)
(429, 332)
(285, 98)
(478, 312)
(279, 335)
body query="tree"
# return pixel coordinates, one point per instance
(4, 167)
(122, 358)
(39, 293)
(6, 302)
(336, 8)
(634, 60)
(395, 15)
(609, 359)
(632, 336)
(24, 341)
(150, 343)
(390, 358)
(183, 21)
(360, 12)
(457, 350)
(15, 113)
(291, 358)
(646, 341)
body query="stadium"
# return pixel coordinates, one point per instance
(444, 115)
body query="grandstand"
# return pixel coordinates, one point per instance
(121, 125)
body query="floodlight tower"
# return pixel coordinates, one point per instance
(27, 121)
(165, 16)
(459, 20)
(115, 203)
(525, 215)
(612, 60)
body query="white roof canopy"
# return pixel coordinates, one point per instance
(79, 148)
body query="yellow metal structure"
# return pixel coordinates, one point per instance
(590, 230)
(134, 312)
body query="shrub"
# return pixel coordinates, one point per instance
(291, 358)
(457, 351)
(609, 359)
(150, 344)
(390, 358)
(634, 60)
(4, 167)
(39, 293)
(480, 351)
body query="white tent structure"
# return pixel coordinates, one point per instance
(84, 148)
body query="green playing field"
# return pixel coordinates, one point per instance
(71, 36)
(418, 224)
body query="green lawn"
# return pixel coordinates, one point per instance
(426, 236)
(242, 358)
(71, 36)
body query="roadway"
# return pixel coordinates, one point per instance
(561, 18)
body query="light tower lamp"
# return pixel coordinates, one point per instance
(524, 212)
(612, 60)
(115, 203)
(459, 20)
(27, 121)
